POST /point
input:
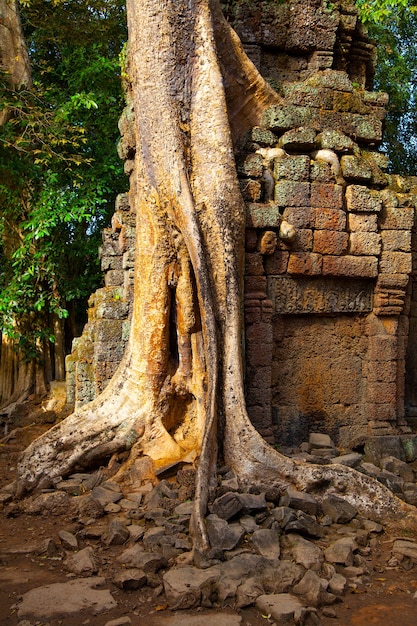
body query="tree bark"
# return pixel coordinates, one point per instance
(181, 380)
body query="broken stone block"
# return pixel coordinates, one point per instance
(136, 557)
(106, 496)
(83, 562)
(247, 592)
(299, 500)
(284, 608)
(189, 587)
(266, 542)
(305, 525)
(117, 533)
(400, 468)
(341, 551)
(337, 585)
(222, 535)
(227, 506)
(339, 509)
(68, 540)
(405, 548)
(304, 552)
(130, 579)
(351, 460)
(313, 589)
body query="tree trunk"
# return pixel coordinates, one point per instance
(181, 382)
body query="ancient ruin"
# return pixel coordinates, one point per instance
(329, 290)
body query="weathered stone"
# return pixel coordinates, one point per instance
(362, 200)
(295, 167)
(106, 496)
(284, 608)
(405, 548)
(137, 558)
(262, 215)
(189, 587)
(130, 579)
(63, 599)
(313, 589)
(334, 140)
(247, 592)
(266, 542)
(298, 139)
(83, 562)
(68, 540)
(396, 466)
(341, 551)
(377, 448)
(251, 502)
(227, 506)
(299, 500)
(305, 525)
(320, 440)
(117, 533)
(304, 552)
(337, 585)
(352, 459)
(340, 510)
(223, 535)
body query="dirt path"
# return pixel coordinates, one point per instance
(386, 597)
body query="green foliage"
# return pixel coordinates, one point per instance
(393, 26)
(59, 169)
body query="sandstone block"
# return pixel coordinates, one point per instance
(361, 243)
(351, 266)
(282, 118)
(295, 168)
(251, 166)
(262, 136)
(396, 240)
(382, 393)
(395, 263)
(341, 551)
(339, 509)
(255, 285)
(300, 217)
(292, 193)
(330, 242)
(362, 222)
(362, 200)
(355, 168)
(222, 535)
(326, 195)
(262, 215)
(253, 264)
(277, 263)
(378, 413)
(305, 263)
(397, 218)
(306, 95)
(330, 219)
(303, 241)
(335, 140)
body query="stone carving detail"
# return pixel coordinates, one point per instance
(319, 295)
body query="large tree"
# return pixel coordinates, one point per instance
(180, 385)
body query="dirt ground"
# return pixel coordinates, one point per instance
(385, 599)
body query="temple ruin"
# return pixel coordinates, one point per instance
(330, 297)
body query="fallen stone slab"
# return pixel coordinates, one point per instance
(299, 500)
(339, 509)
(405, 548)
(83, 562)
(62, 599)
(284, 608)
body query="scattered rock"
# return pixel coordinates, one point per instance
(83, 562)
(299, 500)
(130, 579)
(339, 509)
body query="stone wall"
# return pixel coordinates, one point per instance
(329, 239)
(325, 309)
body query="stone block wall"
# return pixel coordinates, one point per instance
(326, 325)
